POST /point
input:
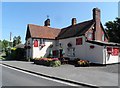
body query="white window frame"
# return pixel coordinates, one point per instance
(42, 41)
(103, 37)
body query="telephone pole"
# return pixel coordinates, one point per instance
(10, 43)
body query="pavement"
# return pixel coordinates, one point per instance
(91, 76)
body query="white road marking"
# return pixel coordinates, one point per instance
(70, 84)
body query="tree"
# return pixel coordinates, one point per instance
(0, 45)
(16, 40)
(113, 30)
(5, 44)
(19, 39)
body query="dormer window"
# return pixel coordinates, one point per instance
(103, 37)
(90, 36)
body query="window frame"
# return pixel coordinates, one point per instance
(42, 41)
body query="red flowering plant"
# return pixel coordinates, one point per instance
(55, 59)
(54, 62)
(83, 63)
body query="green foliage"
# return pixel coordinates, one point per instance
(47, 62)
(17, 54)
(5, 44)
(113, 30)
(13, 54)
(55, 63)
(16, 40)
(13, 49)
(0, 45)
(2, 58)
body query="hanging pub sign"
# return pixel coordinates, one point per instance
(35, 43)
(92, 46)
(115, 51)
(78, 41)
(69, 45)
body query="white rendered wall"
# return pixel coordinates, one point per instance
(42, 52)
(95, 55)
(112, 59)
(79, 49)
(83, 51)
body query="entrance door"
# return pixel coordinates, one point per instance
(61, 53)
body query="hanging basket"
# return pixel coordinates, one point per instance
(42, 45)
(69, 45)
(92, 46)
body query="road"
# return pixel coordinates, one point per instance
(12, 77)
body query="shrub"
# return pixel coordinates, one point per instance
(16, 54)
(55, 63)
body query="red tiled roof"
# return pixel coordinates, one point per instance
(36, 31)
(75, 30)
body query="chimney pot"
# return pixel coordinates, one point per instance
(47, 23)
(74, 21)
(96, 14)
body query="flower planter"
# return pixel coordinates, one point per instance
(83, 63)
(37, 61)
(48, 62)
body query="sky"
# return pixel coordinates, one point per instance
(16, 15)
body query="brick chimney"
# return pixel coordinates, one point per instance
(97, 29)
(47, 23)
(74, 21)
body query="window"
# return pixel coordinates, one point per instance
(103, 37)
(79, 41)
(35, 43)
(89, 36)
(57, 43)
(115, 51)
(42, 41)
(71, 52)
